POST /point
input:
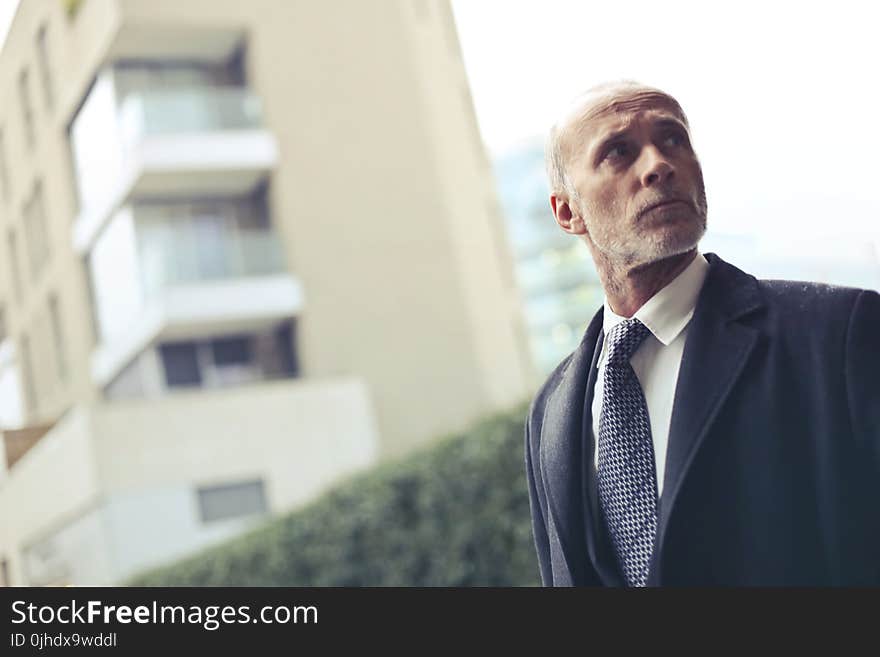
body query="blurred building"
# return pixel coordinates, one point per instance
(560, 287)
(248, 248)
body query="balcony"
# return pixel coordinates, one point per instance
(170, 112)
(171, 143)
(173, 271)
(212, 307)
(179, 258)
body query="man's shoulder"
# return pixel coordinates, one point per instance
(795, 299)
(820, 309)
(807, 294)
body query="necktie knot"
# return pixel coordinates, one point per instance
(624, 339)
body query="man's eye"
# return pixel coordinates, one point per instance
(617, 151)
(674, 139)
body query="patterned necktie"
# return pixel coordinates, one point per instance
(627, 479)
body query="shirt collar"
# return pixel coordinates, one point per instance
(669, 310)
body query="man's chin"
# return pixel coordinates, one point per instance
(671, 246)
(653, 245)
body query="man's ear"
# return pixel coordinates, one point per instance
(566, 215)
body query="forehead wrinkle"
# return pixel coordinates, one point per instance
(625, 104)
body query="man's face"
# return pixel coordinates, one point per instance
(635, 181)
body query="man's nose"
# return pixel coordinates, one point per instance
(657, 169)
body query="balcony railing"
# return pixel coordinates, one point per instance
(189, 110)
(242, 254)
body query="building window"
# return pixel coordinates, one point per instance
(12, 243)
(241, 499)
(231, 351)
(27, 107)
(231, 360)
(36, 230)
(280, 359)
(27, 372)
(181, 364)
(58, 337)
(43, 64)
(4, 169)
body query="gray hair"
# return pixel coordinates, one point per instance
(554, 161)
(555, 155)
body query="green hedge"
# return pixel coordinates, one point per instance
(456, 514)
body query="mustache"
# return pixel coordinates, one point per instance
(660, 200)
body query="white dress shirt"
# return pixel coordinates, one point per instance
(658, 358)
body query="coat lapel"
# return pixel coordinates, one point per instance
(715, 354)
(562, 452)
(599, 548)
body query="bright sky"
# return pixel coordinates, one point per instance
(782, 97)
(7, 10)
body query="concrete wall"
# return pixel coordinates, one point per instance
(158, 525)
(53, 485)
(299, 434)
(137, 465)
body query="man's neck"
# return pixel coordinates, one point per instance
(627, 288)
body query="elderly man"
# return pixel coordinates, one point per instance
(711, 428)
